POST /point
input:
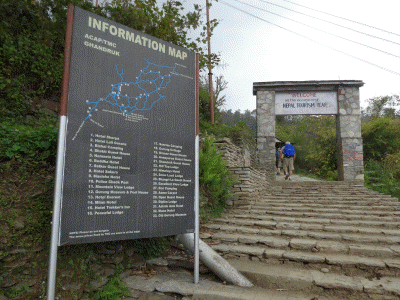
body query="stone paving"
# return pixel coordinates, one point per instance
(326, 238)
(302, 240)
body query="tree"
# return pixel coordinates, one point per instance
(248, 117)
(388, 106)
(32, 42)
(220, 84)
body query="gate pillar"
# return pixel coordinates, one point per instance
(266, 132)
(348, 135)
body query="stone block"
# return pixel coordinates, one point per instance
(176, 286)
(304, 257)
(225, 237)
(395, 249)
(248, 239)
(335, 281)
(302, 244)
(274, 242)
(324, 246)
(375, 251)
(140, 283)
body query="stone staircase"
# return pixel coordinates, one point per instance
(327, 240)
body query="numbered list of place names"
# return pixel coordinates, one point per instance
(106, 187)
(169, 183)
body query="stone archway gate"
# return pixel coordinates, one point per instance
(332, 97)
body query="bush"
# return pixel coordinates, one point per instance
(379, 178)
(38, 145)
(216, 183)
(380, 138)
(392, 164)
(113, 290)
(239, 133)
(151, 247)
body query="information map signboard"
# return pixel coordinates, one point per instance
(130, 144)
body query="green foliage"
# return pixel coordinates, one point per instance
(248, 117)
(219, 85)
(239, 133)
(37, 145)
(113, 290)
(13, 293)
(204, 105)
(215, 180)
(32, 42)
(381, 136)
(392, 163)
(314, 139)
(208, 212)
(29, 67)
(152, 247)
(378, 178)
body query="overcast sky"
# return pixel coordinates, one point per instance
(253, 50)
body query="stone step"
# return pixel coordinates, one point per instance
(367, 267)
(328, 196)
(308, 232)
(281, 276)
(263, 215)
(332, 225)
(318, 184)
(181, 283)
(320, 211)
(314, 215)
(312, 245)
(334, 218)
(322, 191)
(331, 237)
(313, 205)
(310, 188)
(328, 200)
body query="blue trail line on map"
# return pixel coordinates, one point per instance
(160, 82)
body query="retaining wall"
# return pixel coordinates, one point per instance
(251, 182)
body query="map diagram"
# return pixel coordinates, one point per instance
(138, 95)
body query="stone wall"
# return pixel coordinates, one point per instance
(251, 181)
(232, 154)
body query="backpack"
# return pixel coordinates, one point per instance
(289, 150)
(277, 155)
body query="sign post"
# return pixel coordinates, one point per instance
(62, 130)
(127, 158)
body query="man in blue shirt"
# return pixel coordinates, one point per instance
(289, 156)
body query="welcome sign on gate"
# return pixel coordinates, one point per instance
(306, 103)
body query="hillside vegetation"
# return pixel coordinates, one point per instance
(31, 58)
